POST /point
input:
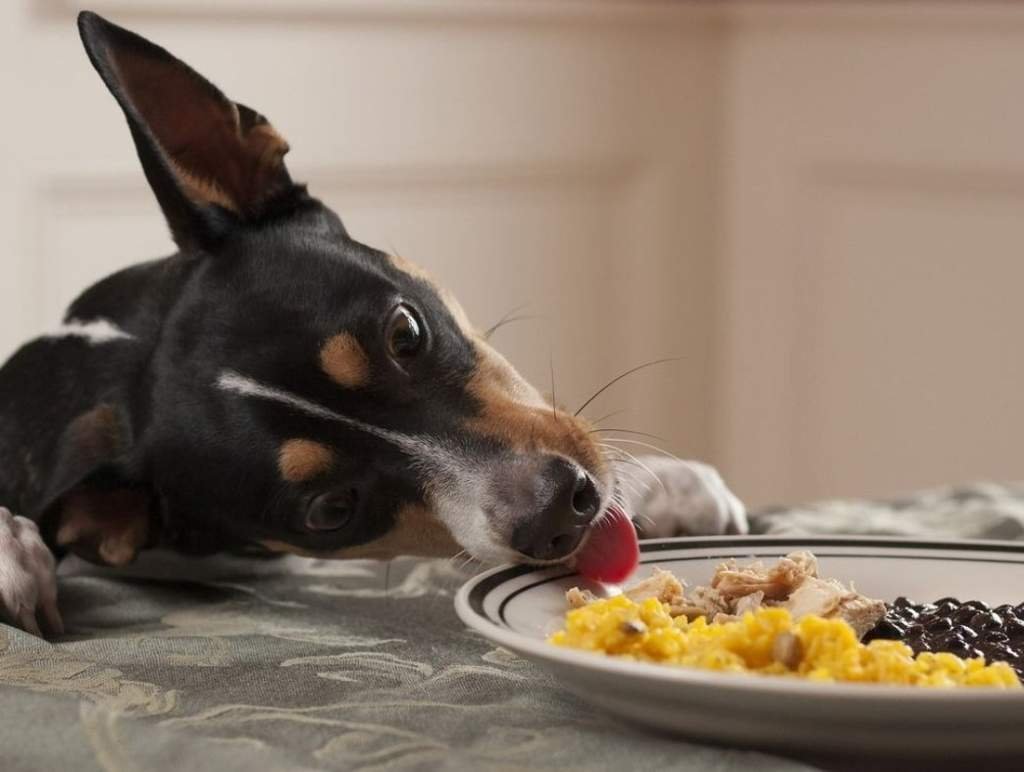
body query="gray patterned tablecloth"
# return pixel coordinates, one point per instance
(231, 663)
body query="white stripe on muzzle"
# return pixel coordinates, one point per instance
(94, 332)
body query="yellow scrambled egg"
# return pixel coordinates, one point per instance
(769, 642)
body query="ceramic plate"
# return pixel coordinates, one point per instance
(517, 607)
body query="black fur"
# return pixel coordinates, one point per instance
(136, 431)
(255, 294)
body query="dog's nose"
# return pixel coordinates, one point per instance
(566, 501)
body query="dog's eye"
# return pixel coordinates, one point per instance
(404, 333)
(331, 511)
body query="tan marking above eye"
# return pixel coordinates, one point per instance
(409, 267)
(300, 460)
(514, 413)
(344, 361)
(416, 531)
(454, 307)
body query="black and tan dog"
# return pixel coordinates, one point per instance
(275, 383)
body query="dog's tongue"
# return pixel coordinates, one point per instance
(611, 552)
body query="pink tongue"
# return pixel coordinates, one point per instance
(611, 552)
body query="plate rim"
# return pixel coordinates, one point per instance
(734, 682)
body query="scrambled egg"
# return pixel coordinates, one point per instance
(766, 641)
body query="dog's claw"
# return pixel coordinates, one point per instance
(28, 576)
(27, 620)
(54, 622)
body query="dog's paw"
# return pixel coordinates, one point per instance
(28, 576)
(668, 497)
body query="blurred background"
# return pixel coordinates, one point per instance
(817, 206)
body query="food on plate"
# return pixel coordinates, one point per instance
(792, 583)
(965, 628)
(766, 641)
(785, 619)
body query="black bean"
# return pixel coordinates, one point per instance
(959, 648)
(963, 615)
(965, 632)
(986, 620)
(967, 629)
(939, 625)
(888, 629)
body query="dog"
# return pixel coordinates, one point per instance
(276, 385)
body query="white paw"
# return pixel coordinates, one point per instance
(680, 498)
(28, 576)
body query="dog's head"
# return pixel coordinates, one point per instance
(315, 395)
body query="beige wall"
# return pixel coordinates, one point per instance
(815, 205)
(549, 154)
(870, 309)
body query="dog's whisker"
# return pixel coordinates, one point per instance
(510, 317)
(618, 378)
(668, 453)
(627, 469)
(642, 465)
(452, 560)
(631, 488)
(612, 414)
(625, 463)
(554, 401)
(613, 453)
(624, 480)
(647, 520)
(627, 431)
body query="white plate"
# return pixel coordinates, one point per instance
(517, 607)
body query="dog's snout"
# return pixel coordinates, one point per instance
(565, 500)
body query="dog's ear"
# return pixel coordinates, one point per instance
(210, 161)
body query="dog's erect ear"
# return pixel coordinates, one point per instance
(208, 159)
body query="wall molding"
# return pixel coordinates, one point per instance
(95, 191)
(116, 194)
(922, 15)
(398, 11)
(844, 16)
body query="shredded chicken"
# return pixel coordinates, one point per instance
(662, 585)
(792, 583)
(777, 582)
(577, 598)
(748, 603)
(861, 613)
